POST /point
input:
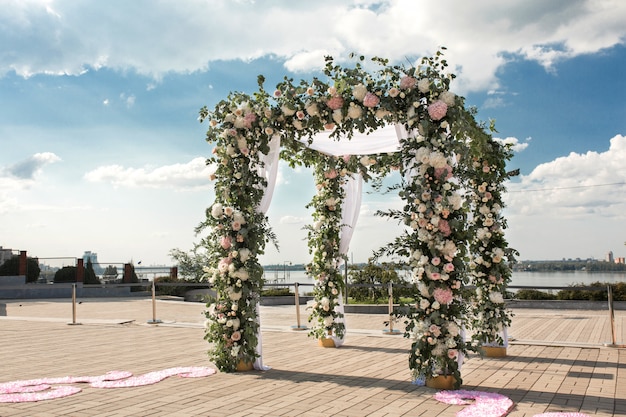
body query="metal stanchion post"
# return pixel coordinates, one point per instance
(391, 329)
(154, 319)
(73, 306)
(612, 319)
(297, 299)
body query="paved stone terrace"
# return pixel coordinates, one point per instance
(556, 362)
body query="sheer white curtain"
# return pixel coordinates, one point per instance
(269, 170)
(351, 207)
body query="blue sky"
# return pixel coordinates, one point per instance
(101, 150)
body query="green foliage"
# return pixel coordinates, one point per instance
(178, 291)
(190, 264)
(276, 292)
(110, 272)
(65, 274)
(528, 294)
(11, 267)
(597, 292)
(375, 279)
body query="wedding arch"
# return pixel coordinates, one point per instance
(451, 174)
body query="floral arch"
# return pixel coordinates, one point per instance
(451, 184)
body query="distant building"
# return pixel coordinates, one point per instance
(5, 255)
(93, 257)
(609, 257)
(620, 260)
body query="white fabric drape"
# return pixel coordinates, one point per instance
(353, 189)
(268, 170)
(383, 140)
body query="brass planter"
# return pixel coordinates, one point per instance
(494, 351)
(244, 366)
(445, 382)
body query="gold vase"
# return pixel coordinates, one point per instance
(243, 366)
(327, 341)
(494, 351)
(445, 382)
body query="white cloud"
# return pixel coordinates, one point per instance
(191, 175)
(28, 169)
(574, 186)
(294, 220)
(517, 146)
(535, 29)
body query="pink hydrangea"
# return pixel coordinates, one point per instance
(248, 120)
(444, 227)
(443, 295)
(371, 100)
(437, 110)
(335, 102)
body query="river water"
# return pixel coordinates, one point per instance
(519, 279)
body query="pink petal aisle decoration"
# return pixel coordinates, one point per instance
(484, 404)
(41, 389)
(154, 377)
(559, 414)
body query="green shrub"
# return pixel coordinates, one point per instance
(178, 291)
(534, 295)
(276, 292)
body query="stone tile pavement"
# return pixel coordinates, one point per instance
(556, 362)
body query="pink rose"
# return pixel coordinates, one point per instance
(436, 261)
(236, 336)
(438, 110)
(236, 226)
(449, 267)
(222, 266)
(453, 353)
(331, 174)
(335, 102)
(435, 330)
(371, 100)
(407, 82)
(443, 173)
(226, 242)
(300, 115)
(329, 126)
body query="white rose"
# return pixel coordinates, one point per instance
(424, 304)
(217, 211)
(234, 295)
(423, 85)
(312, 109)
(337, 116)
(448, 97)
(244, 254)
(287, 111)
(354, 111)
(496, 297)
(359, 91)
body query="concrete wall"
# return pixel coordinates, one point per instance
(39, 291)
(12, 280)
